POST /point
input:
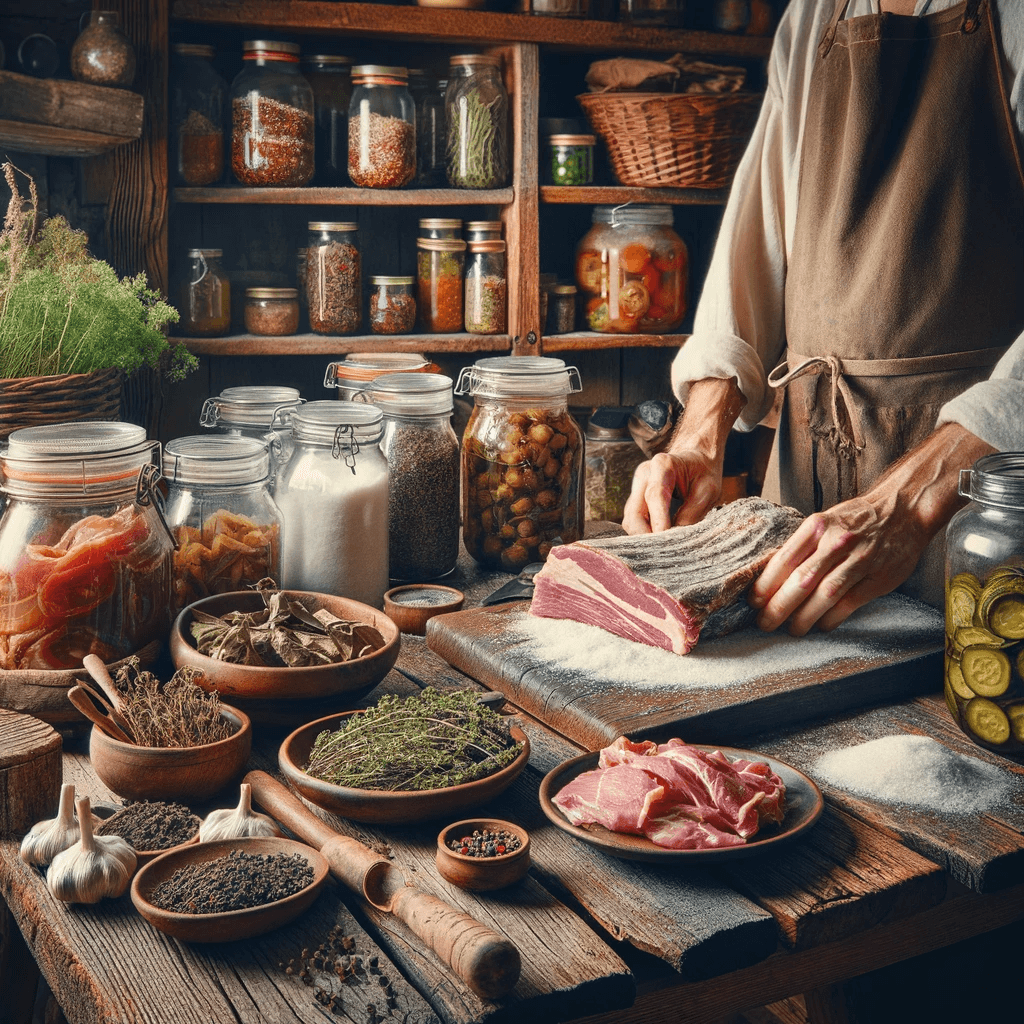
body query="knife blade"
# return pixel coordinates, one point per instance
(517, 589)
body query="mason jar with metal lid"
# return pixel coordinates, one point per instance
(522, 460)
(271, 311)
(355, 372)
(439, 265)
(483, 230)
(381, 128)
(423, 462)
(329, 76)
(272, 138)
(206, 295)
(260, 411)
(485, 297)
(392, 304)
(85, 553)
(984, 664)
(440, 227)
(333, 495)
(476, 123)
(334, 288)
(219, 508)
(198, 102)
(570, 159)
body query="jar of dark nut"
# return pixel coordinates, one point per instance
(522, 460)
(272, 311)
(206, 295)
(333, 277)
(392, 305)
(381, 128)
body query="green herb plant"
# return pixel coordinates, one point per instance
(62, 311)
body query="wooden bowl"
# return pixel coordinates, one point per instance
(480, 874)
(182, 774)
(385, 806)
(412, 605)
(231, 925)
(287, 696)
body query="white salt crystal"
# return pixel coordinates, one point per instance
(917, 771)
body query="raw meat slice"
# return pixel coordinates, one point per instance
(618, 798)
(666, 589)
(675, 829)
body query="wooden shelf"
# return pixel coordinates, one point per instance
(321, 196)
(607, 195)
(335, 345)
(588, 341)
(50, 141)
(408, 22)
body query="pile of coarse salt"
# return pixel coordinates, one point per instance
(917, 771)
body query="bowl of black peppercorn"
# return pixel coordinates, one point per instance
(483, 853)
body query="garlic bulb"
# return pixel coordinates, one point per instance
(96, 866)
(237, 822)
(48, 838)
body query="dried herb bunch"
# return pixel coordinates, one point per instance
(429, 741)
(178, 714)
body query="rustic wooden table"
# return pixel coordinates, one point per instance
(602, 940)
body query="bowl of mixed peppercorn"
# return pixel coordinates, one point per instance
(483, 853)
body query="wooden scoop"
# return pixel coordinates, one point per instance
(486, 961)
(95, 667)
(84, 700)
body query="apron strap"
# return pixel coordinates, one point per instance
(830, 33)
(971, 18)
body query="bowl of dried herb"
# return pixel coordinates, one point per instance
(406, 759)
(285, 657)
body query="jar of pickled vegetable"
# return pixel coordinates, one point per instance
(522, 460)
(381, 128)
(334, 289)
(476, 123)
(439, 266)
(358, 369)
(219, 508)
(206, 295)
(485, 288)
(631, 269)
(570, 159)
(392, 304)
(984, 664)
(329, 76)
(85, 554)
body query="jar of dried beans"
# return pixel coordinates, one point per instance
(85, 554)
(333, 494)
(272, 311)
(428, 97)
(423, 463)
(329, 76)
(485, 288)
(198, 99)
(381, 128)
(392, 305)
(483, 230)
(272, 117)
(476, 123)
(631, 268)
(522, 460)
(206, 295)
(358, 369)
(440, 227)
(439, 265)
(333, 277)
(262, 412)
(219, 508)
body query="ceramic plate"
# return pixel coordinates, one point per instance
(804, 805)
(384, 806)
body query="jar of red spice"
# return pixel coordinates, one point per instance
(272, 139)
(439, 264)
(485, 288)
(381, 128)
(392, 305)
(273, 311)
(198, 100)
(206, 295)
(330, 77)
(333, 277)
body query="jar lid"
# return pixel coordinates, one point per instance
(483, 225)
(218, 460)
(440, 223)
(271, 293)
(250, 405)
(332, 225)
(468, 59)
(194, 50)
(384, 279)
(572, 140)
(514, 376)
(209, 253)
(270, 49)
(487, 245)
(337, 424)
(379, 71)
(363, 366)
(562, 289)
(326, 58)
(630, 213)
(996, 479)
(410, 394)
(441, 244)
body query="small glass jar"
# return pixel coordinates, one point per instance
(392, 305)
(224, 520)
(439, 266)
(334, 288)
(206, 295)
(476, 123)
(547, 282)
(440, 227)
(428, 97)
(984, 664)
(102, 54)
(259, 411)
(423, 465)
(485, 288)
(483, 230)
(561, 318)
(85, 554)
(570, 159)
(381, 128)
(272, 139)
(631, 267)
(333, 495)
(359, 369)
(650, 12)
(329, 76)
(522, 460)
(271, 311)
(198, 104)
(611, 458)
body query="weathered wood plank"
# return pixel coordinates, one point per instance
(62, 104)
(39, 138)
(30, 772)
(600, 195)
(336, 345)
(323, 195)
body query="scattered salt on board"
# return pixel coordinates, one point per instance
(917, 771)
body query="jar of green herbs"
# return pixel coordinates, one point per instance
(571, 159)
(476, 123)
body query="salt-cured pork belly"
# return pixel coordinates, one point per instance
(618, 798)
(667, 589)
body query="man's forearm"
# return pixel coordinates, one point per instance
(712, 406)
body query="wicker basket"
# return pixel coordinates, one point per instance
(33, 401)
(684, 140)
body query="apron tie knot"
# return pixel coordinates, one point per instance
(843, 433)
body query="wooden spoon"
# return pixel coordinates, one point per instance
(83, 700)
(95, 667)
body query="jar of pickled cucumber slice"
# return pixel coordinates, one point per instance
(984, 661)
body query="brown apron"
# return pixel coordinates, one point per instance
(906, 280)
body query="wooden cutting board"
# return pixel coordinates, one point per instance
(592, 686)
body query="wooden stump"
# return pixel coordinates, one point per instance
(30, 772)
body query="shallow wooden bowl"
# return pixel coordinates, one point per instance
(235, 924)
(143, 857)
(480, 874)
(182, 774)
(385, 806)
(287, 696)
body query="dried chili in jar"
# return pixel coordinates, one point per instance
(439, 263)
(392, 305)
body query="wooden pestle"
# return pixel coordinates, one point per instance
(98, 671)
(486, 961)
